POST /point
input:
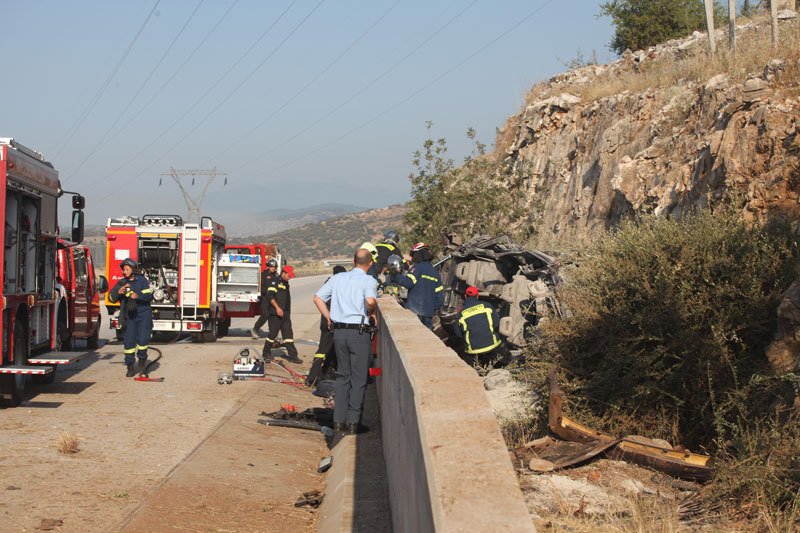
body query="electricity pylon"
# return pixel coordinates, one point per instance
(193, 205)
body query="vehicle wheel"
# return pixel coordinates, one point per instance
(64, 340)
(47, 379)
(224, 327)
(94, 341)
(211, 334)
(12, 386)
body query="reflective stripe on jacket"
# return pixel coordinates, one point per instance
(477, 323)
(425, 290)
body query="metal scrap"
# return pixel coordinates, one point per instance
(520, 283)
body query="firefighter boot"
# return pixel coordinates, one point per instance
(131, 371)
(142, 366)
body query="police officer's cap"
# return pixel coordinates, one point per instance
(128, 261)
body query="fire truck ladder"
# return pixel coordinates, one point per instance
(190, 271)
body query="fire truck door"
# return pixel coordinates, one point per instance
(81, 291)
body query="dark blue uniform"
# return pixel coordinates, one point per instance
(425, 291)
(138, 316)
(477, 324)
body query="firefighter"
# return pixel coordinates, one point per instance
(134, 295)
(425, 290)
(325, 358)
(373, 271)
(269, 276)
(386, 248)
(280, 317)
(477, 324)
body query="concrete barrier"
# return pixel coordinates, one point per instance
(447, 465)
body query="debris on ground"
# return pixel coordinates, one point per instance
(312, 499)
(49, 524)
(314, 418)
(586, 443)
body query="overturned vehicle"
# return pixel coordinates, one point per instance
(518, 282)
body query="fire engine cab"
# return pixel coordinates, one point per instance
(180, 261)
(29, 192)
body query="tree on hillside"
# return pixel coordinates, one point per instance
(444, 194)
(643, 23)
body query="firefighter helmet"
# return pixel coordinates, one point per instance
(372, 250)
(272, 263)
(419, 246)
(391, 235)
(130, 262)
(394, 263)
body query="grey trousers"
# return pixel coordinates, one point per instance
(353, 358)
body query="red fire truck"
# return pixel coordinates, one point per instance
(239, 283)
(79, 310)
(29, 192)
(180, 260)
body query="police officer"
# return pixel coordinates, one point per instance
(325, 358)
(353, 297)
(386, 248)
(425, 290)
(268, 277)
(478, 324)
(280, 317)
(134, 295)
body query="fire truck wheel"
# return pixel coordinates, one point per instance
(224, 326)
(12, 386)
(210, 335)
(47, 379)
(64, 340)
(94, 341)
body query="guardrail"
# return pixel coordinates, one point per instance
(447, 465)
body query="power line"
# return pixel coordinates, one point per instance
(360, 91)
(138, 92)
(175, 72)
(307, 85)
(406, 99)
(197, 102)
(93, 102)
(234, 91)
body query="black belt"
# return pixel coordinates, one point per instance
(341, 325)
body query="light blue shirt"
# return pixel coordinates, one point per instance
(347, 293)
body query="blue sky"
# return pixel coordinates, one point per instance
(327, 106)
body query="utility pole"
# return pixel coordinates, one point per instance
(773, 11)
(732, 26)
(193, 205)
(712, 45)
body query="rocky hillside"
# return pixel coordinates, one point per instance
(663, 130)
(337, 237)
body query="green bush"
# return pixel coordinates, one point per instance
(670, 320)
(667, 335)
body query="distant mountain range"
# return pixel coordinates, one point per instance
(272, 221)
(316, 232)
(336, 237)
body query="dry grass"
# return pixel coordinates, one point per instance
(644, 515)
(754, 51)
(68, 443)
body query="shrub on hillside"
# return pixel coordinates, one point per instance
(443, 194)
(670, 320)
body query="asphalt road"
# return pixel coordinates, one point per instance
(184, 454)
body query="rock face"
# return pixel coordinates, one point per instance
(784, 352)
(584, 160)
